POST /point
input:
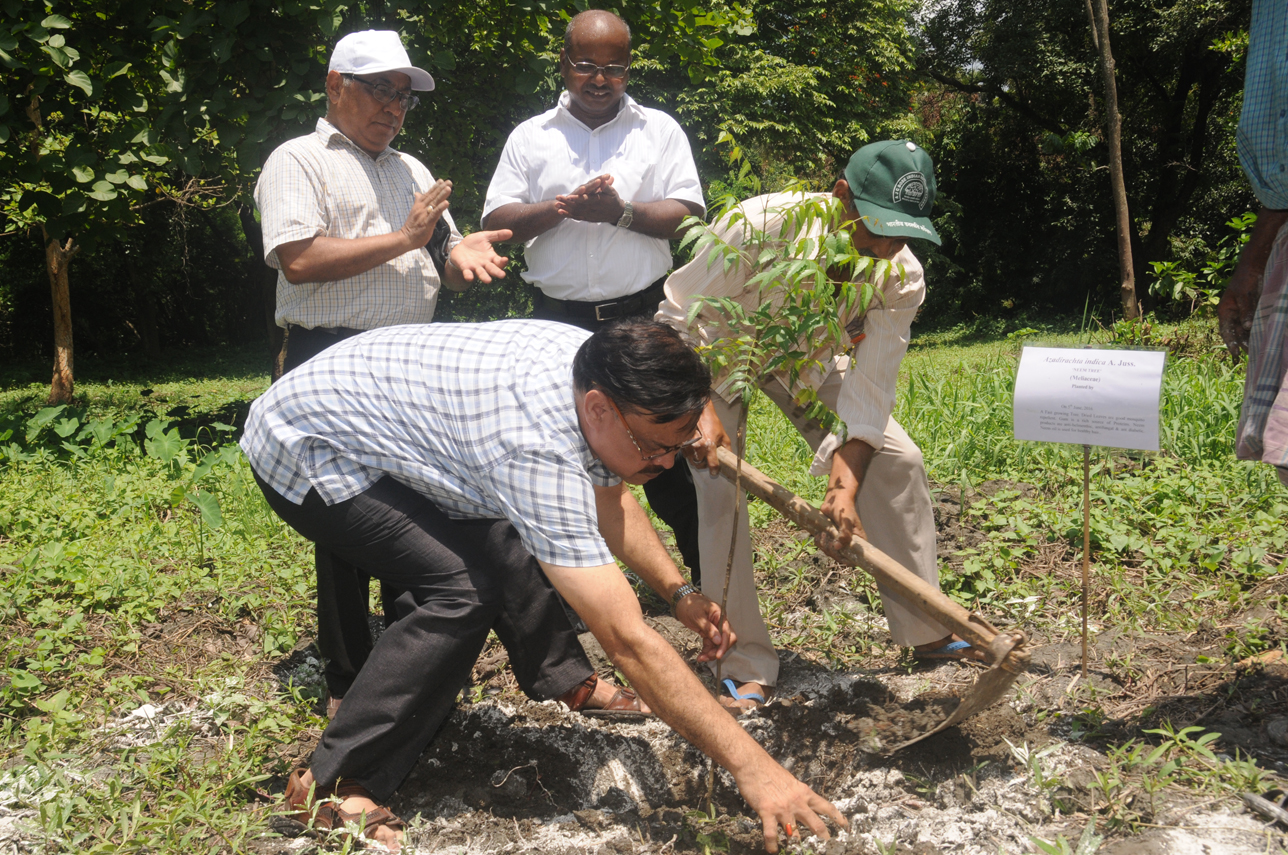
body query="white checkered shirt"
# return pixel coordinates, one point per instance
(647, 154)
(480, 418)
(322, 185)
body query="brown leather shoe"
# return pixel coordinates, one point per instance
(624, 703)
(299, 806)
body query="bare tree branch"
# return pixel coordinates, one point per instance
(1002, 95)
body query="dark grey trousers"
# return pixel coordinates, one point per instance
(344, 635)
(460, 579)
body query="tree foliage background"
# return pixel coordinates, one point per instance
(154, 116)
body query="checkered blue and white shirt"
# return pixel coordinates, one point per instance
(323, 185)
(1263, 125)
(480, 418)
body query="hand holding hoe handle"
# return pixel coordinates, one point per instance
(1005, 651)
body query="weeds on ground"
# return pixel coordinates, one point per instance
(1088, 843)
(140, 567)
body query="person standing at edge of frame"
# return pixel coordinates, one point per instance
(1253, 311)
(362, 239)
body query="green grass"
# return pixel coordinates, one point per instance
(133, 548)
(211, 382)
(127, 554)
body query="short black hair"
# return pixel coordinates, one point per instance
(645, 367)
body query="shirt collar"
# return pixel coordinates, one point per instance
(628, 106)
(327, 132)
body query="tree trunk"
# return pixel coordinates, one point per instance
(1113, 136)
(57, 259)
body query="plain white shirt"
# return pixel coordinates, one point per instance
(647, 154)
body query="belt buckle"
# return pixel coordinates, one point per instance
(600, 317)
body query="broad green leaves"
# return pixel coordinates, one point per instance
(108, 106)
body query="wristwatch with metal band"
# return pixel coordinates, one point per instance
(627, 216)
(680, 593)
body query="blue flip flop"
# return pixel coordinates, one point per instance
(732, 689)
(951, 650)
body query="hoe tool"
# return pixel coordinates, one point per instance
(1007, 658)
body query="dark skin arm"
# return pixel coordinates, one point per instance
(594, 202)
(1239, 302)
(849, 468)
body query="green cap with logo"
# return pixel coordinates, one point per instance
(893, 185)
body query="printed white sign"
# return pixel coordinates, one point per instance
(1089, 396)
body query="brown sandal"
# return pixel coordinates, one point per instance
(299, 805)
(624, 704)
(331, 817)
(325, 815)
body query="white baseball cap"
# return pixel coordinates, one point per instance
(373, 51)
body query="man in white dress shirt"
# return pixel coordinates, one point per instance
(876, 477)
(597, 188)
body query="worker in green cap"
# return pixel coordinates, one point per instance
(877, 487)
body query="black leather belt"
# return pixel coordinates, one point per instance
(608, 310)
(338, 332)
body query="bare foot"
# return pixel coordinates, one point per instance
(387, 837)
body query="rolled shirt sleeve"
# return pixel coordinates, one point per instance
(867, 393)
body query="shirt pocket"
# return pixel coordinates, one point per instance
(633, 178)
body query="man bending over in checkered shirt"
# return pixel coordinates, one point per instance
(362, 239)
(398, 449)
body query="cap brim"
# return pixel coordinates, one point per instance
(421, 80)
(888, 222)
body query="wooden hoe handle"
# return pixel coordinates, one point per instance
(883, 568)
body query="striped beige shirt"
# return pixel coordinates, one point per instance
(867, 392)
(322, 185)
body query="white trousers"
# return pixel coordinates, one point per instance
(893, 505)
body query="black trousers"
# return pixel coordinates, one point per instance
(459, 578)
(671, 494)
(344, 636)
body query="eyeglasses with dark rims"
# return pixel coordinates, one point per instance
(649, 458)
(384, 93)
